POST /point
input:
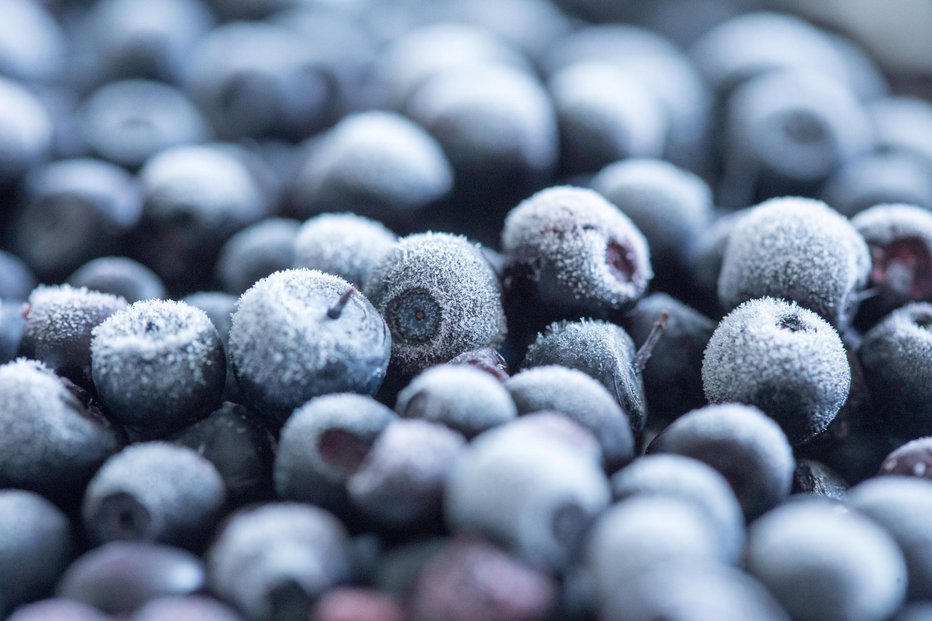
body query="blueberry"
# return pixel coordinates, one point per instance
(59, 321)
(398, 568)
(126, 122)
(439, 297)
(473, 579)
(878, 178)
(582, 399)
(255, 252)
(26, 128)
(690, 480)
(551, 425)
(825, 563)
(919, 611)
(459, 396)
(798, 249)
(122, 576)
(238, 445)
(672, 375)
(402, 489)
(37, 546)
(273, 561)
(154, 491)
(119, 276)
(32, 44)
(344, 244)
(158, 365)
(605, 115)
(298, 334)
(895, 355)
(672, 207)
(195, 198)
(59, 609)
(781, 358)
(219, 307)
(743, 444)
(573, 253)
(185, 608)
(485, 359)
(375, 164)
(812, 477)
(534, 494)
(52, 442)
(357, 604)
(12, 327)
(599, 349)
(247, 9)
(16, 279)
(902, 123)
(323, 443)
(912, 459)
(706, 261)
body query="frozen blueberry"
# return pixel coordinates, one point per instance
(600, 349)
(12, 327)
(692, 591)
(238, 445)
(26, 129)
(158, 365)
(573, 253)
(257, 251)
(485, 359)
(472, 579)
(706, 261)
(273, 561)
(672, 207)
(323, 443)
(126, 122)
(122, 576)
(798, 249)
(644, 530)
(32, 44)
(16, 279)
(581, 398)
(918, 611)
(913, 459)
(825, 563)
(673, 374)
(878, 178)
(605, 115)
(36, 547)
(786, 132)
(895, 355)
(357, 604)
(73, 211)
(52, 441)
(195, 198)
(344, 244)
(219, 307)
(812, 477)
(782, 358)
(153, 491)
(552, 425)
(743, 444)
(301, 333)
(59, 609)
(690, 480)
(147, 40)
(185, 608)
(903, 123)
(402, 489)
(59, 321)
(398, 569)
(439, 297)
(459, 396)
(119, 276)
(533, 493)
(375, 164)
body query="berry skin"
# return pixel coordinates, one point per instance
(485, 359)
(343, 244)
(913, 459)
(824, 563)
(158, 365)
(298, 334)
(154, 491)
(743, 444)
(255, 252)
(439, 297)
(16, 279)
(783, 359)
(119, 276)
(32, 42)
(459, 396)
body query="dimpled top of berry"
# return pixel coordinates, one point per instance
(440, 298)
(782, 358)
(799, 249)
(598, 255)
(344, 244)
(900, 240)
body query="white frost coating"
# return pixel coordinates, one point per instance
(883, 224)
(344, 244)
(65, 314)
(459, 396)
(568, 229)
(671, 206)
(286, 350)
(799, 249)
(782, 358)
(461, 282)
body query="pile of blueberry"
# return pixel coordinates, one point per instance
(460, 310)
